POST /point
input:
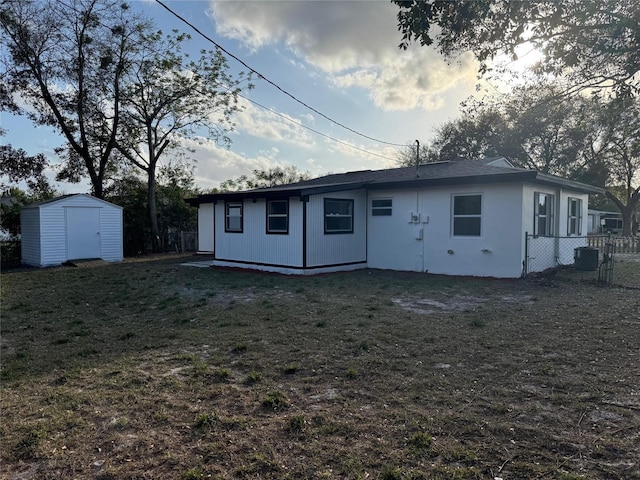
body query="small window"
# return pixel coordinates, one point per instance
(543, 215)
(233, 217)
(338, 215)
(381, 207)
(278, 216)
(574, 217)
(467, 215)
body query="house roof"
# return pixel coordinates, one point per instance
(455, 172)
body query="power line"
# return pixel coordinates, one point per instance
(313, 130)
(209, 39)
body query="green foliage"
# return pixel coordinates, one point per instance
(264, 178)
(192, 474)
(296, 425)
(421, 442)
(175, 184)
(206, 420)
(253, 377)
(588, 43)
(391, 473)
(275, 400)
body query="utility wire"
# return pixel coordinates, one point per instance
(209, 39)
(313, 130)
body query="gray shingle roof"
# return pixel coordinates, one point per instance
(457, 172)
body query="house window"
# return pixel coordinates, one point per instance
(467, 215)
(381, 207)
(574, 217)
(278, 216)
(543, 216)
(233, 217)
(338, 215)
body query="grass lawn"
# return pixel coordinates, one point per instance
(152, 370)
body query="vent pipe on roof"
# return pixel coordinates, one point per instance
(417, 156)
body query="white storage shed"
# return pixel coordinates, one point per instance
(71, 227)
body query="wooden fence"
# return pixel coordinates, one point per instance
(622, 244)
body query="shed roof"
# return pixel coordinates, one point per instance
(454, 172)
(63, 198)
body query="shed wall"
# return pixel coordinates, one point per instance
(111, 234)
(49, 233)
(30, 236)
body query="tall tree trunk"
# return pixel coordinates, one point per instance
(626, 209)
(153, 210)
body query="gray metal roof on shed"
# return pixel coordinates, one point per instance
(455, 172)
(68, 196)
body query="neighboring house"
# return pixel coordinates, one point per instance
(458, 218)
(71, 227)
(604, 222)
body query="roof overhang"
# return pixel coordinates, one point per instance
(302, 191)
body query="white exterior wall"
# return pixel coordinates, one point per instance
(52, 230)
(341, 248)
(254, 245)
(429, 245)
(550, 252)
(205, 227)
(30, 236)
(111, 234)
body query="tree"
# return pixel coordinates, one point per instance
(175, 184)
(621, 155)
(590, 139)
(593, 44)
(264, 179)
(17, 167)
(168, 98)
(64, 69)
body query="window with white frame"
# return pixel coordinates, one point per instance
(381, 207)
(467, 215)
(574, 217)
(338, 215)
(543, 214)
(233, 217)
(278, 216)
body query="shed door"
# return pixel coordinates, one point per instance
(83, 232)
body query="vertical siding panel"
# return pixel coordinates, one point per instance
(205, 227)
(45, 230)
(53, 230)
(30, 236)
(254, 244)
(335, 249)
(111, 234)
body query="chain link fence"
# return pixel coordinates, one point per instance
(607, 256)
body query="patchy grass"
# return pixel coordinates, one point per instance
(113, 370)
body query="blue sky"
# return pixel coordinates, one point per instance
(340, 57)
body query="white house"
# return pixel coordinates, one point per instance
(458, 217)
(71, 227)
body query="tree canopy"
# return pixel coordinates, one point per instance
(593, 44)
(593, 139)
(64, 69)
(264, 179)
(167, 98)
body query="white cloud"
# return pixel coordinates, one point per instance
(262, 123)
(355, 43)
(215, 164)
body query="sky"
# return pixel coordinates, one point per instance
(339, 57)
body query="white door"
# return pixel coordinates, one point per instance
(83, 232)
